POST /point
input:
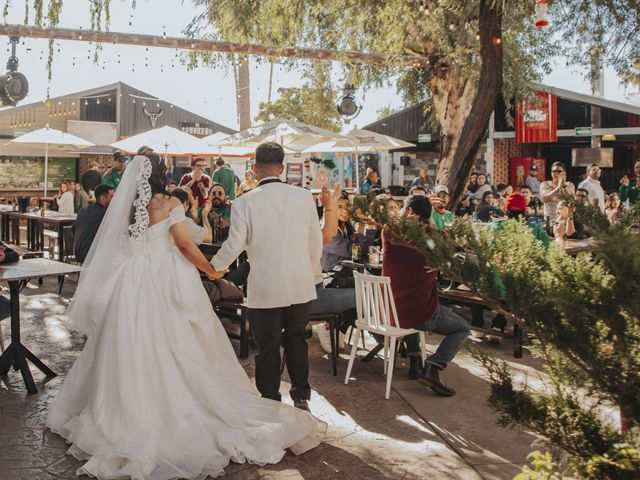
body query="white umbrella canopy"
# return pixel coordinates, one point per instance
(296, 136)
(166, 141)
(361, 141)
(50, 137)
(217, 140)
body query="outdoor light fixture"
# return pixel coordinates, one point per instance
(348, 105)
(13, 84)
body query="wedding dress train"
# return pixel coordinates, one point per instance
(157, 392)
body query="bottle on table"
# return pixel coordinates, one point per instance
(356, 249)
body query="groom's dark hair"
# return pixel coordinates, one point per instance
(270, 153)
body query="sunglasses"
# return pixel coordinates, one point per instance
(217, 194)
(200, 165)
(557, 171)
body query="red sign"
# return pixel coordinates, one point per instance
(537, 121)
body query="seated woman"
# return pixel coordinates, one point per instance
(334, 300)
(613, 208)
(486, 209)
(565, 224)
(338, 241)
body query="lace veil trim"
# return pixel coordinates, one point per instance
(141, 216)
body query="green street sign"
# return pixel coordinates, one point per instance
(583, 131)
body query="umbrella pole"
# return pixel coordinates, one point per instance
(46, 168)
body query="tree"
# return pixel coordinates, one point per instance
(313, 103)
(584, 313)
(386, 111)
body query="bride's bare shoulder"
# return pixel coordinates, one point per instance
(160, 206)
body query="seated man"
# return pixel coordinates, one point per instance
(415, 290)
(220, 214)
(88, 221)
(198, 234)
(439, 216)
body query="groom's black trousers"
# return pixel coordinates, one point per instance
(268, 325)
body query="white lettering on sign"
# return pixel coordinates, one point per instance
(535, 116)
(198, 130)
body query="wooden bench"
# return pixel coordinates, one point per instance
(466, 297)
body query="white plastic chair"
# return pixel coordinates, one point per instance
(377, 314)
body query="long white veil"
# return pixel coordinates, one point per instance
(113, 245)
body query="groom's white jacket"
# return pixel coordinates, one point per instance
(277, 224)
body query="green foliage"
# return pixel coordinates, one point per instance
(313, 103)
(584, 313)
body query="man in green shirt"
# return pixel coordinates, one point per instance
(630, 188)
(439, 216)
(112, 177)
(227, 178)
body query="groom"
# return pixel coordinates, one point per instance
(277, 224)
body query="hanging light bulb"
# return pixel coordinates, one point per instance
(86, 102)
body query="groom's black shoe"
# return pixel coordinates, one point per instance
(301, 404)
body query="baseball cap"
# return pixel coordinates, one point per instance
(516, 203)
(441, 188)
(534, 168)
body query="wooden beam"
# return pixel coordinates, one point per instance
(118, 38)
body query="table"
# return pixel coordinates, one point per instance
(18, 275)
(573, 247)
(5, 225)
(35, 228)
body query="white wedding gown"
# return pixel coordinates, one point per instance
(158, 393)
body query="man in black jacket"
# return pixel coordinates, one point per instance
(88, 222)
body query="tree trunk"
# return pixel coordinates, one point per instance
(464, 108)
(243, 92)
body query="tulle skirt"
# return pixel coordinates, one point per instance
(159, 394)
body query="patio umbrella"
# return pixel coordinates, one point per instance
(167, 141)
(217, 139)
(296, 136)
(49, 137)
(360, 141)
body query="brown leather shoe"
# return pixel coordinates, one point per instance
(430, 377)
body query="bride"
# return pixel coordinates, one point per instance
(157, 392)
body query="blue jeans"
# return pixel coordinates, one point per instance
(444, 322)
(336, 300)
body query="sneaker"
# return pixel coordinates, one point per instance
(301, 404)
(325, 337)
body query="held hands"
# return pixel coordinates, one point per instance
(624, 181)
(212, 274)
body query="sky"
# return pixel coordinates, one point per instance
(206, 91)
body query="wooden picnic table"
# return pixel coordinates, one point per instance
(36, 224)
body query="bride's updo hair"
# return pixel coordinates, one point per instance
(158, 177)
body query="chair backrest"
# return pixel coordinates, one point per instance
(374, 300)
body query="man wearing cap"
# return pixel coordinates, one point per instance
(277, 225)
(439, 216)
(532, 181)
(113, 176)
(198, 181)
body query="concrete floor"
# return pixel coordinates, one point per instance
(413, 435)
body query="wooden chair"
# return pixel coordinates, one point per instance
(377, 314)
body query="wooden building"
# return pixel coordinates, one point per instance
(617, 134)
(101, 115)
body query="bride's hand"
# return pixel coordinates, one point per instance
(215, 275)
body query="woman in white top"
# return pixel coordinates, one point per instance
(249, 183)
(64, 199)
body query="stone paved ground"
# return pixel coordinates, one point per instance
(413, 435)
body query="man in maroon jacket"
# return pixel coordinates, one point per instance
(415, 291)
